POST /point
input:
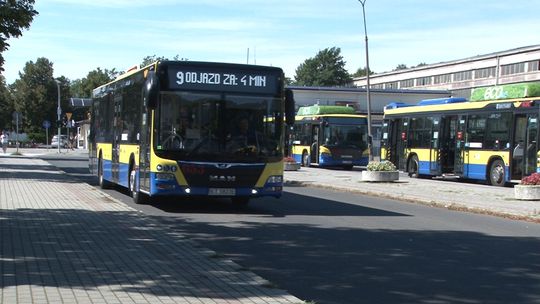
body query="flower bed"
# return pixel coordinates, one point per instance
(528, 188)
(289, 164)
(383, 171)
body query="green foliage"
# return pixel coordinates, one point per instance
(381, 166)
(39, 137)
(151, 59)
(361, 72)
(82, 88)
(400, 66)
(35, 94)
(6, 104)
(327, 69)
(15, 16)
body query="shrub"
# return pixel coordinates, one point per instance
(533, 179)
(381, 166)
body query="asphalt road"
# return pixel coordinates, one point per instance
(330, 247)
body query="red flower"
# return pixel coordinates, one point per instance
(533, 179)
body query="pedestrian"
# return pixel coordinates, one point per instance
(4, 141)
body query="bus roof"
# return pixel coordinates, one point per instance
(515, 94)
(463, 106)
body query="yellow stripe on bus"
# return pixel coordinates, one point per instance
(269, 170)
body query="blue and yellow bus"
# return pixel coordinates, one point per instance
(182, 128)
(329, 136)
(493, 137)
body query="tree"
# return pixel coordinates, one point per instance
(6, 104)
(151, 59)
(421, 64)
(16, 15)
(35, 94)
(327, 68)
(361, 72)
(82, 88)
(400, 66)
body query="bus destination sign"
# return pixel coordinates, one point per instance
(207, 79)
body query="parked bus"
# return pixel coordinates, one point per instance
(493, 137)
(329, 136)
(178, 128)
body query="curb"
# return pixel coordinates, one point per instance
(404, 198)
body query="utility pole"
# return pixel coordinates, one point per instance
(370, 135)
(58, 112)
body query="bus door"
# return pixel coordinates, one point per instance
(401, 145)
(435, 146)
(144, 152)
(459, 152)
(390, 139)
(524, 149)
(117, 130)
(447, 143)
(314, 150)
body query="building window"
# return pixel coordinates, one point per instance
(533, 66)
(422, 81)
(462, 76)
(406, 83)
(376, 86)
(514, 68)
(445, 78)
(391, 85)
(485, 73)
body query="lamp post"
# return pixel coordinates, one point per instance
(58, 112)
(370, 136)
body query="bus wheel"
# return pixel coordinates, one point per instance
(413, 167)
(138, 197)
(496, 173)
(103, 184)
(240, 201)
(305, 159)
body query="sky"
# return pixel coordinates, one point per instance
(79, 36)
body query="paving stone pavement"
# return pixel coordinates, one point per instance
(66, 242)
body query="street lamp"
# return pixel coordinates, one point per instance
(370, 136)
(58, 112)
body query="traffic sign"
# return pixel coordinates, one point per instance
(46, 124)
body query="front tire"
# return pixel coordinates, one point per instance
(305, 159)
(412, 167)
(103, 184)
(496, 173)
(136, 195)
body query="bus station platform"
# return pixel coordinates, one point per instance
(63, 241)
(451, 194)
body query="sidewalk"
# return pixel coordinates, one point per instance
(455, 195)
(67, 242)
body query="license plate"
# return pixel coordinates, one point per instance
(347, 161)
(222, 191)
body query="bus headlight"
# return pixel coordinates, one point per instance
(166, 168)
(164, 176)
(275, 179)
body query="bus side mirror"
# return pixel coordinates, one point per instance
(151, 90)
(289, 107)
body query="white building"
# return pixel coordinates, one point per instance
(357, 98)
(460, 76)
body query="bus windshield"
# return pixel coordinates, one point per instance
(346, 136)
(218, 127)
